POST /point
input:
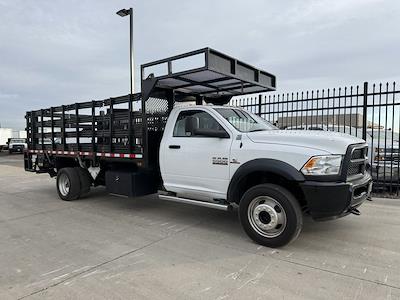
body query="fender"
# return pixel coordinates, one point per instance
(277, 167)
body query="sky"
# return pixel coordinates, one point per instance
(59, 52)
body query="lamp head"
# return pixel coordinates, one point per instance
(123, 12)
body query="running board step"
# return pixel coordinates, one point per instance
(225, 207)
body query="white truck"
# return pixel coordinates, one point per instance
(204, 154)
(16, 145)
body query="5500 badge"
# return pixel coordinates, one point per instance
(220, 161)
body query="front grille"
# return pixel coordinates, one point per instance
(358, 160)
(354, 169)
(359, 153)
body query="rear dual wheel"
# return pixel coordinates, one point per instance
(73, 183)
(270, 215)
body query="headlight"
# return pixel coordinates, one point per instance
(323, 165)
(379, 150)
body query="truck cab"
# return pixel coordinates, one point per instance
(186, 144)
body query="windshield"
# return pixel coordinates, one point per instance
(244, 121)
(22, 141)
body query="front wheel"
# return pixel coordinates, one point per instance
(270, 215)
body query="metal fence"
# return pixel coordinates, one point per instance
(371, 112)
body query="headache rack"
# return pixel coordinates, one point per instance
(131, 126)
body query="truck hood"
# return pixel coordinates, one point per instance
(331, 142)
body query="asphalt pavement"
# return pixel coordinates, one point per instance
(105, 247)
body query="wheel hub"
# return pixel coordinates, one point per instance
(64, 184)
(267, 216)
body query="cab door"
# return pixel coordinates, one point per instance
(196, 165)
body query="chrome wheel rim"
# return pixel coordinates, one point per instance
(267, 216)
(63, 184)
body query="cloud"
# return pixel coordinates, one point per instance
(58, 52)
(7, 96)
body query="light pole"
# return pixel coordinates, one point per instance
(123, 13)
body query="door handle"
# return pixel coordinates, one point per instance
(174, 146)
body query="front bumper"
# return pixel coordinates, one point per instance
(331, 200)
(17, 149)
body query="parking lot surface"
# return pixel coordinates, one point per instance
(104, 247)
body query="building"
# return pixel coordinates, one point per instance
(354, 120)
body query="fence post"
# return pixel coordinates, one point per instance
(365, 102)
(259, 105)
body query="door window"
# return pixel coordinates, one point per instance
(201, 120)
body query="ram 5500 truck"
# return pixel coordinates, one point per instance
(206, 154)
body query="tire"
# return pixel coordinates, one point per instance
(68, 184)
(85, 181)
(270, 215)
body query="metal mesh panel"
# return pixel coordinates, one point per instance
(354, 169)
(359, 153)
(156, 105)
(157, 114)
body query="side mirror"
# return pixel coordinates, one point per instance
(212, 133)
